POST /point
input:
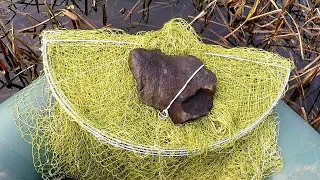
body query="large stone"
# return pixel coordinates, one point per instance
(160, 78)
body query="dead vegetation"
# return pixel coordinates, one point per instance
(288, 27)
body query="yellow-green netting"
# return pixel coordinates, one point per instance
(63, 148)
(90, 75)
(93, 125)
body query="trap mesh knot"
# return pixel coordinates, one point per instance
(96, 127)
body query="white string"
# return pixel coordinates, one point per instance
(91, 40)
(165, 114)
(242, 59)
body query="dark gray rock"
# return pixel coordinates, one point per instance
(160, 77)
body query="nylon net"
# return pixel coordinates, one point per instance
(87, 121)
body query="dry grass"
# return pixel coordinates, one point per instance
(289, 27)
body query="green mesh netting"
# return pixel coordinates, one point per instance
(100, 129)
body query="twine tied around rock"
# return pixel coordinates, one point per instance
(163, 115)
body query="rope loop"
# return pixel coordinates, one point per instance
(164, 114)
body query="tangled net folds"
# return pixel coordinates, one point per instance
(88, 122)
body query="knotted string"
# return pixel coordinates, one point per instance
(163, 115)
